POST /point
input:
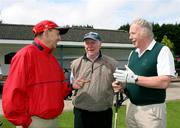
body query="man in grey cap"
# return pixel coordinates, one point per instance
(92, 76)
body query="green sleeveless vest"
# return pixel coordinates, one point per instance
(146, 65)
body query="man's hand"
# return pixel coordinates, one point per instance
(79, 83)
(117, 86)
(125, 76)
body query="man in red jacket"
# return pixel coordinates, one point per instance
(33, 94)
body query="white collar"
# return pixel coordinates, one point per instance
(151, 45)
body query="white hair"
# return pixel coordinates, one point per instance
(147, 29)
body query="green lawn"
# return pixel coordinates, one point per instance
(66, 119)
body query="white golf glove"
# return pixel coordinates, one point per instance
(125, 76)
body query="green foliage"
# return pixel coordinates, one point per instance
(168, 43)
(172, 31)
(124, 27)
(177, 64)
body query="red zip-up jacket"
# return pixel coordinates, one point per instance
(35, 86)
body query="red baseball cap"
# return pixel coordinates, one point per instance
(47, 24)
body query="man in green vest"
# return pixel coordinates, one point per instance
(145, 78)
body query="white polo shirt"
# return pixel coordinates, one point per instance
(165, 60)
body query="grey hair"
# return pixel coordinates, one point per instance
(147, 29)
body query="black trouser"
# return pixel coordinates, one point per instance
(88, 119)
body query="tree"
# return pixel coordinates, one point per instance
(124, 27)
(82, 26)
(172, 31)
(168, 43)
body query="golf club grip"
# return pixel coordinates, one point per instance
(117, 99)
(121, 96)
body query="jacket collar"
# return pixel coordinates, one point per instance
(41, 46)
(85, 56)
